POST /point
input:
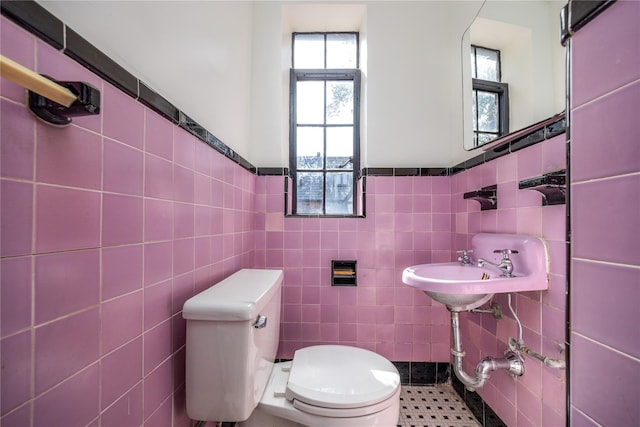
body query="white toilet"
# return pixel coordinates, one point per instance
(233, 330)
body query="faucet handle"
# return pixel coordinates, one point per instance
(505, 252)
(464, 258)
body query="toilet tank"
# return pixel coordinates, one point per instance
(229, 356)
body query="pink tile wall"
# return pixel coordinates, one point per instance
(538, 397)
(408, 222)
(107, 227)
(110, 224)
(605, 219)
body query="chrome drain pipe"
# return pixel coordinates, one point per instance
(512, 361)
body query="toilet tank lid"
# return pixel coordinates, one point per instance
(239, 297)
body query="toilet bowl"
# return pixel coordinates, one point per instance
(232, 338)
(330, 385)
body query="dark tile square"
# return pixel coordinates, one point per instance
(35, 19)
(378, 171)
(88, 55)
(443, 373)
(433, 172)
(583, 11)
(475, 405)
(158, 103)
(406, 172)
(423, 373)
(403, 370)
(491, 419)
(526, 141)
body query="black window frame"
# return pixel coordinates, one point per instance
(493, 87)
(326, 75)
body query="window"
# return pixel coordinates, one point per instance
(324, 130)
(490, 97)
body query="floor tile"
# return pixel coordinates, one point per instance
(433, 406)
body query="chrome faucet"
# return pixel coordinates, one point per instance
(506, 265)
(464, 258)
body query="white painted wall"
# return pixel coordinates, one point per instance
(197, 54)
(225, 63)
(528, 35)
(270, 102)
(414, 83)
(412, 112)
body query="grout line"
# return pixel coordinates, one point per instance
(606, 178)
(585, 415)
(609, 263)
(607, 94)
(606, 346)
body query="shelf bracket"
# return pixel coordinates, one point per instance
(486, 196)
(552, 186)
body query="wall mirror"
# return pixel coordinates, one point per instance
(516, 42)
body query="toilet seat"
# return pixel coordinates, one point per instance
(343, 413)
(341, 381)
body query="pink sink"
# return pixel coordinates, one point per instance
(465, 287)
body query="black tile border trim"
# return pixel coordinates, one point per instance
(407, 171)
(37, 20)
(578, 13)
(273, 171)
(377, 171)
(478, 407)
(90, 57)
(156, 102)
(535, 136)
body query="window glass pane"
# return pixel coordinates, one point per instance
(483, 138)
(473, 63)
(474, 107)
(487, 111)
(339, 147)
(339, 193)
(309, 147)
(308, 51)
(309, 193)
(342, 51)
(487, 64)
(310, 102)
(340, 102)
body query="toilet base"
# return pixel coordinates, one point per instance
(274, 410)
(260, 418)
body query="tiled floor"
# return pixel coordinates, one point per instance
(433, 406)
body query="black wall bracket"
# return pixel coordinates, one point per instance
(486, 196)
(87, 103)
(552, 185)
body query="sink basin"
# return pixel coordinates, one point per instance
(465, 287)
